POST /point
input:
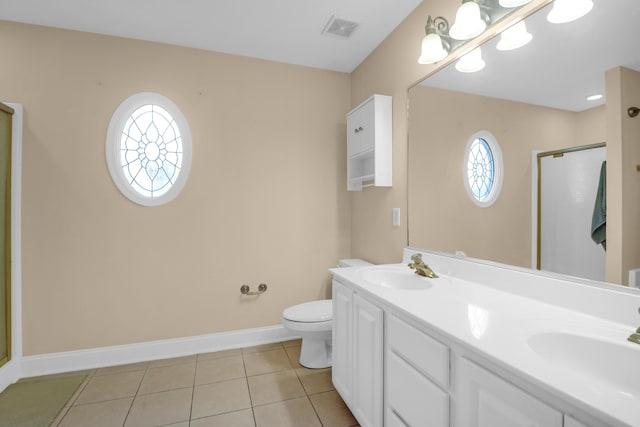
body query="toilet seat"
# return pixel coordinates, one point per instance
(310, 312)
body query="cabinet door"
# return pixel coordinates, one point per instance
(360, 129)
(486, 400)
(341, 373)
(367, 351)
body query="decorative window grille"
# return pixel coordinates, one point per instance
(483, 169)
(148, 149)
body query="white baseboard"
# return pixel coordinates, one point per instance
(9, 374)
(53, 363)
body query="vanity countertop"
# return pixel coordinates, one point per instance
(581, 358)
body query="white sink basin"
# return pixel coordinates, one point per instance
(401, 278)
(614, 363)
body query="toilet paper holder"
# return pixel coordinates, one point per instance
(246, 290)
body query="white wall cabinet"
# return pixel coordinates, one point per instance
(369, 148)
(486, 400)
(357, 356)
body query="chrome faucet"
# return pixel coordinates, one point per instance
(421, 268)
(635, 337)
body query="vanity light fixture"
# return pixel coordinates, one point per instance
(472, 18)
(471, 62)
(513, 3)
(469, 21)
(434, 48)
(569, 10)
(514, 37)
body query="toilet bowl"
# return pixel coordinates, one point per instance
(313, 322)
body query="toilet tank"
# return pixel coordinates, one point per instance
(353, 262)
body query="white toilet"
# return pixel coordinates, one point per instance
(313, 322)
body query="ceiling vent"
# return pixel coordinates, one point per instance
(339, 27)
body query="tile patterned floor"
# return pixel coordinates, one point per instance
(262, 386)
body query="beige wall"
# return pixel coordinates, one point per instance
(623, 179)
(389, 70)
(442, 216)
(265, 200)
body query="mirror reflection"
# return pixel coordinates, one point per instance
(533, 100)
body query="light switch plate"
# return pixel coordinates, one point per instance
(396, 217)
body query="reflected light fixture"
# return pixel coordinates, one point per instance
(513, 3)
(469, 22)
(514, 37)
(471, 62)
(569, 10)
(434, 48)
(595, 97)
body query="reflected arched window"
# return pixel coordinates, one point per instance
(483, 169)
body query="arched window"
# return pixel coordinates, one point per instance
(483, 169)
(148, 149)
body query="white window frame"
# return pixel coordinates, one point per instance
(114, 132)
(497, 164)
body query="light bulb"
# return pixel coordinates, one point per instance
(432, 49)
(514, 37)
(468, 23)
(569, 10)
(471, 62)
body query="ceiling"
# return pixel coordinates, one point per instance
(562, 65)
(288, 31)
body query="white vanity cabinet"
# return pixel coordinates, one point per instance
(465, 353)
(357, 354)
(369, 136)
(486, 400)
(341, 340)
(416, 377)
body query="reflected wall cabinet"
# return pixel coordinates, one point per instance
(369, 136)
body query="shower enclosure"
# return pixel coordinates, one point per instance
(566, 195)
(6, 113)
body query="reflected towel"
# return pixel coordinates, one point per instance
(599, 218)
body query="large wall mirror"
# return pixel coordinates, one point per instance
(532, 99)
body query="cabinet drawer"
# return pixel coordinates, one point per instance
(423, 352)
(412, 397)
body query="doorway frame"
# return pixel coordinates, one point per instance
(11, 371)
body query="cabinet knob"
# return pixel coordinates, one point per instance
(358, 129)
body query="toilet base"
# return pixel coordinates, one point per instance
(316, 351)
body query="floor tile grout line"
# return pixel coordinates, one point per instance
(146, 369)
(246, 378)
(72, 400)
(315, 411)
(193, 390)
